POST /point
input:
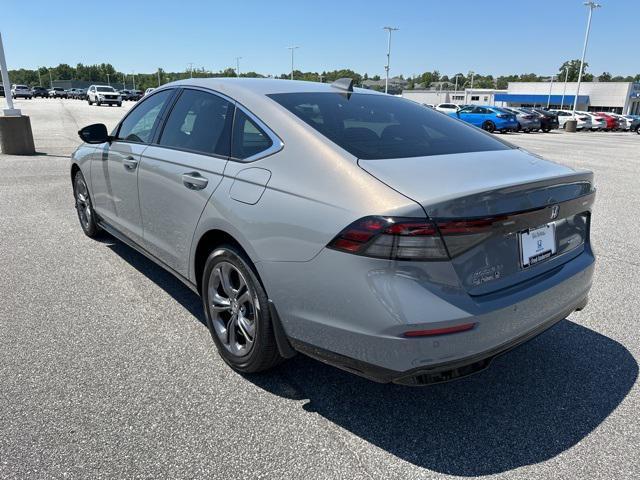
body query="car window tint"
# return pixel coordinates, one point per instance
(138, 125)
(248, 138)
(372, 126)
(200, 122)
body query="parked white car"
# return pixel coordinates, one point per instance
(148, 91)
(100, 94)
(447, 107)
(597, 122)
(23, 91)
(583, 121)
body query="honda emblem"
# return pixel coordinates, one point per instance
(554, 212)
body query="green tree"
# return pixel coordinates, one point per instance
(573, 67)
(605, 77)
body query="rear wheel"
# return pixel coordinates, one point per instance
(237, 311)
(489, 126)
(546, 130)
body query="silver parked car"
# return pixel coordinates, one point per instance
(527, 121)
(359, 228)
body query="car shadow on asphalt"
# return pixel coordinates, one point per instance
(530, 405)
(165, 280)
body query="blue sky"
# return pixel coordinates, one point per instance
(497, 37)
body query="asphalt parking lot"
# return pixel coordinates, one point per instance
(107, 371)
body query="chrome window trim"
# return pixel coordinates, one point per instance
(276, 143)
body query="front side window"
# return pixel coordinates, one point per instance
(475, 98)
(200, 122)
(138, 125)
(373, 126)
(248, 138)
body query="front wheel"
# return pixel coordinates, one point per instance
(84, 207)
(237, 311)
(489, 126)
(546, 130)
(119, 104)
(89, 101)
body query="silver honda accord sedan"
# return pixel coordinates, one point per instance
(358, 228)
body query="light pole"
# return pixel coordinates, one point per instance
(50, 79)
(191, 69)
(158, 77)
(549, 97)
(4, 73)
(292, 50)
(564, 90)
(592, 6)
(108, 81)
(39, 77)
(456, 87)
(238, 66)
(473, 74)
(124, 81)
(386, 68)
(133, 77)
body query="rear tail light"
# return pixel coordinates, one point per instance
(391, 238)
(411, 238)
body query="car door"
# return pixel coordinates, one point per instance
(114, 172)
(181, 170)
(466, 114)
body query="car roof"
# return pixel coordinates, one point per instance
(264, 86)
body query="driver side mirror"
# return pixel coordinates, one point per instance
(96, 133)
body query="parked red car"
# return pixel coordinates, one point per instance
(612, 122)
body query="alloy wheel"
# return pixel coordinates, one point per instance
(83, 205)
(234, 308)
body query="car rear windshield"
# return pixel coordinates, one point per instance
(373, 126)
(105, 89)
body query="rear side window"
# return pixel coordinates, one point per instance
(138, 125)
(381, 126)
(199, 122)
(248, 138)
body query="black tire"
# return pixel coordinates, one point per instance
(262, 354)
(89, 101)
(84, 206)
(546, 130)
(119, 104)
(489, 126)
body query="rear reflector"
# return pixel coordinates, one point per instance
(440, 331)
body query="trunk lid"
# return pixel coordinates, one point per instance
(503, 195)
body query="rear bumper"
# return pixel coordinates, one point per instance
(432, 374)
(506, 124)
(352, 312)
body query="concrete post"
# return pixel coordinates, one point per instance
(16, 137)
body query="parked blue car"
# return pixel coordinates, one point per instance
(488, 118)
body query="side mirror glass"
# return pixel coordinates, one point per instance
(96, 133)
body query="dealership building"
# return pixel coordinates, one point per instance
(619, 97)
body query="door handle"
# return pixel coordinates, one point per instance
(194, 181)
(130, 163)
